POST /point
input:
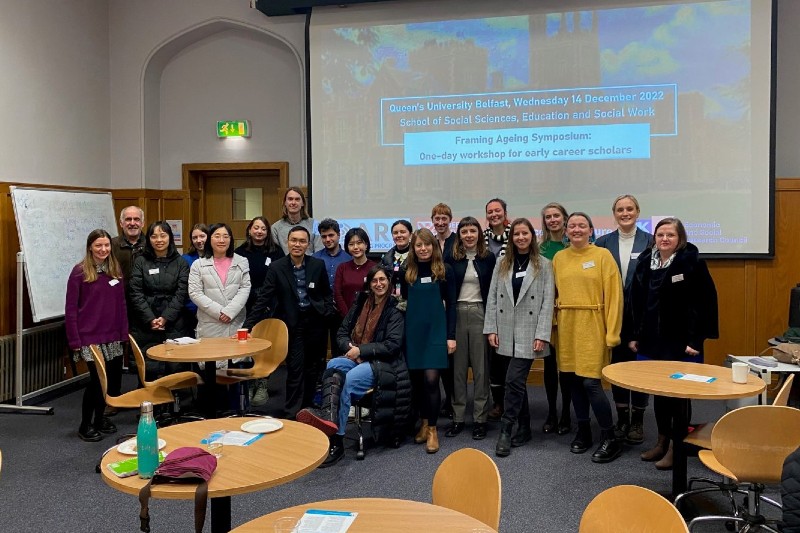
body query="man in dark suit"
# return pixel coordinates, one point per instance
(296, 290)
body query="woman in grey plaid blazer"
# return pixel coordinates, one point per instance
(519, 318)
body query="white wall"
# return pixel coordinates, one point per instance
(154, 28)
(72, 74)
(54, 100)
(231, 75)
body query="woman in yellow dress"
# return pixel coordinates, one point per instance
(589, 316)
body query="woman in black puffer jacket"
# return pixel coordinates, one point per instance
(159, 288)
(371, 338)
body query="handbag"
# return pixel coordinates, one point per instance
(183, 465)
(786, 352)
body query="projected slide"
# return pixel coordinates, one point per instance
(415, 103)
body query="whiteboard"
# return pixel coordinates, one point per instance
(53, 226)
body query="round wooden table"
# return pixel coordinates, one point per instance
(209, 349)
(274, 459)
(379, 515)
(654, 377)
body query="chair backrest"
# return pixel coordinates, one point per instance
(752, 442)
(468, 481)
(100, 365)
(275, 331)
(631, 509)
(782, 398)
(139, 357)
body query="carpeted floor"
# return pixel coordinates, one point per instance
(48, 482)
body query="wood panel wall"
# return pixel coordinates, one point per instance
(753, 294)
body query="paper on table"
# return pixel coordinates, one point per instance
(693, 377)
(183, 340)
(235, 438)
(321, 521)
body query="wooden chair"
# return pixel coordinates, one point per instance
(264, 362)
(129, 400)
(173, 382)
(701, 436)
(631, 509)
(468, 481)
(748, 446)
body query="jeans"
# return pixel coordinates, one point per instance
(358, 380)
(516, 400)
(589, 391)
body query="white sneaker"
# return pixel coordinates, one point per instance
(352, 413)
(261, 394)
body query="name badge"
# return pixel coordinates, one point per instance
(425, 279)
(153, 271)
(113, 282)
(588, 264)
(635, 255)
(365, 279)
(268, 261)
(677, 277)
(311, 285)
(476, 273)
(520, 274)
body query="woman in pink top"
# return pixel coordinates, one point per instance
(350, 275)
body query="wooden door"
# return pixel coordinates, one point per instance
(234, 193)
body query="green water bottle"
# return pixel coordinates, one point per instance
(147, 442)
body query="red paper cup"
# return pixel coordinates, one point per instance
(241, 334)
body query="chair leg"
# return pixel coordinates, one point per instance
(714, 518)
(360, 454)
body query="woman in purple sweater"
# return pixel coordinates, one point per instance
(95, 313)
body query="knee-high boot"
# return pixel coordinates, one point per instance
(326, 418)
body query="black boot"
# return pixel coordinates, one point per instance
(523, 434)
(336, 451)
(609, 449)
(583, 439)
(623, 422)
(503, 446)
(326, 418)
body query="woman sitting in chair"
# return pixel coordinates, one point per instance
(370, 337)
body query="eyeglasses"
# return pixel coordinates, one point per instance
(221, 237)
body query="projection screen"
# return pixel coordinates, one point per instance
(419, 102)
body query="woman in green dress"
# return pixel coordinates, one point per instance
(429, 287)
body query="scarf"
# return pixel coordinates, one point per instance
(367, 321)
(503, 238)
(655, 260)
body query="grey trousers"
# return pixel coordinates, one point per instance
(472, 350)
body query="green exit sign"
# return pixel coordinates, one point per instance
(233, 128)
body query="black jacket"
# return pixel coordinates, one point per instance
(259, 260)
(790, 493)
(158, 288)
(277, 298)
(391, 399)
(687, 312)
(484, 266)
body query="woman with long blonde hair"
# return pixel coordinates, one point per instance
(95, 313)
(429, 288)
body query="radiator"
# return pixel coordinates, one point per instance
(43, 350)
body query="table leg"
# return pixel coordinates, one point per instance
(221, 515)
(679, 432)
(210, 399)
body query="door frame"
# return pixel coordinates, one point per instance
(194, 176)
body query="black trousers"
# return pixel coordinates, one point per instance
(305, 360)
(515, 403)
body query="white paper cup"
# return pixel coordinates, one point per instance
(739, 372)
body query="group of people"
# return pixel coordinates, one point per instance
(413, 323)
